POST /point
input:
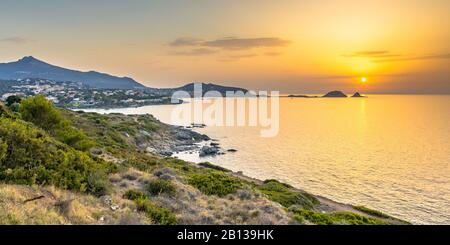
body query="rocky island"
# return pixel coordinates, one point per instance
(357, 95)
(335, 94)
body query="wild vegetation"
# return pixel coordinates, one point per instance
(63, 167)
(340, 218)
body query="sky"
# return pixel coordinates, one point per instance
(400, 46)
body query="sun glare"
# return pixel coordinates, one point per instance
(363, 79)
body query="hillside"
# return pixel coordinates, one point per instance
(64, 167)
(30, 67)
(206, 87)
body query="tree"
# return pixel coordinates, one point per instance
(41, 112)
(12, 99)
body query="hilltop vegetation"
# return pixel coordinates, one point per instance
(63, 167)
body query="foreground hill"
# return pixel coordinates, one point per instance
(64, 167)
(30, 67)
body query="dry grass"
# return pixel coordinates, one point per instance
(60, 207)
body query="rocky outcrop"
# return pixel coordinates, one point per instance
(357, 95)
(208, 151)
(335, 94)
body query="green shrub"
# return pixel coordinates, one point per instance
(212, 166)
(13, 99)
(215, 183)
(134, 195)
(347, 218)
(75, 138)
(317, 218)
(3, 149)
(15, 107)
(375, 213)
(286, 196)
(159, 186)
(159, 215)
(127, 127)
(40, 112)
(33, 157)
(355, 219)
(98, 183)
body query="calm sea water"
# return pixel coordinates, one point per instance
(387, 152)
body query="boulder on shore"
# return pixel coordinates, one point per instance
(335, 94)
(208, 150)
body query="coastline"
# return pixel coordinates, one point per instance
(125, 178)
(182, 139)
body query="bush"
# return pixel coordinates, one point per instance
(159, 215)
(317, 218)
(375, 213)
(33, 157)
(74, 137)
(286, 196)
(215, 183)
(348, 218)
(159, 186)
(134, 195)
(3, 149)
(40, 112)
(98, 183)
(12, 100)
(212, 166)
(15, 107)
(355, 219)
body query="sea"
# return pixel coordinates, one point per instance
(386, 152)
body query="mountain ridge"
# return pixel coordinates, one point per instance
(30, 67)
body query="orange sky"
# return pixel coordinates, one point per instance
(292, 46)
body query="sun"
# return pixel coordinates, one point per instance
(363, 79)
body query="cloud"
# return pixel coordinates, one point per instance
(411, 58)
(236, 57)
(239, 56)
(232, 43)
(15, 40)
(193, 52)
(246, 43)
(387, 56)
(372, 54)
(185, 41)
(319, 77)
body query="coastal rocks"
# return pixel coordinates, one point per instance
(335, 94)
(357, 95)
(198, 125)
(208, 150)
(166, 153)
(183, 135)
(231, 150)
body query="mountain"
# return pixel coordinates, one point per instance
(30, 67)
(206, 87)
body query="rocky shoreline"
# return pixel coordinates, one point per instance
(146, 134)
(187, 140)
